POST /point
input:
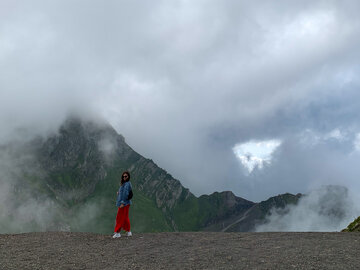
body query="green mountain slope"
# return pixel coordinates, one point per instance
(77, 171)
(257, 214)
(353, 226)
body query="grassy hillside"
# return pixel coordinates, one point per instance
(76, 173)
(353, 226)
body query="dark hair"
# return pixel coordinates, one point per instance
(122, 179)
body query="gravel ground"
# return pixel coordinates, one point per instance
(188, 250)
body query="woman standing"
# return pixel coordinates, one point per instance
(123, 203)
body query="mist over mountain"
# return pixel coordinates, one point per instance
(329, 208)
(68, 181)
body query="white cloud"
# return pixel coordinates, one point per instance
(335, 134)
(357, 142)
(255, 153)
(307, 30)
(311, 138)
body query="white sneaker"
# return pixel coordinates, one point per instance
(128, 234)
(116, 235)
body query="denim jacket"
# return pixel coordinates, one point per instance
(123, 194)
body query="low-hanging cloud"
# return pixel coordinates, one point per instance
(186, 81)
(329, 208)
(26, 207)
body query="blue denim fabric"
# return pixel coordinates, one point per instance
(123, 194)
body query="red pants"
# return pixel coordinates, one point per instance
(122, 219)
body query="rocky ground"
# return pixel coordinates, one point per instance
(193, 250)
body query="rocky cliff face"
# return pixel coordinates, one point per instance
(222, 208)
(79, 169)
(246, 215)
(157, 183)
(256, 215)
(72, 160)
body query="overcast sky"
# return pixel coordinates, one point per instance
(257, 97)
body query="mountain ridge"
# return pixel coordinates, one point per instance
(79, 168)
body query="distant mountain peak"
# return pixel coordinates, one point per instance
(78, 169)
